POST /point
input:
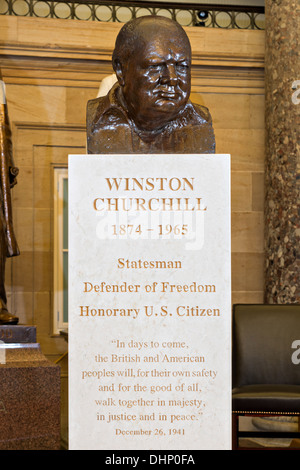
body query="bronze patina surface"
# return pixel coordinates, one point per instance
(148, 110)
(8, 174)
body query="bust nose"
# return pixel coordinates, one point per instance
(169, 75)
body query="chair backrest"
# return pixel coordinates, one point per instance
(264, 338)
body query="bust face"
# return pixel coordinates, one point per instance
(156, 80)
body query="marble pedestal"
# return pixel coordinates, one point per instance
(29, 399)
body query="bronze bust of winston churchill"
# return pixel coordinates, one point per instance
(148, 110)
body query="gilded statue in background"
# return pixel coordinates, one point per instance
(148, 110)
(8, 173)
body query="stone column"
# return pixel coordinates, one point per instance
(282, 180)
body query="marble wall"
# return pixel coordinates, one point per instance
(282, 174)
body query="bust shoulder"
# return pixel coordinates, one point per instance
(105, 111)
(202, 112)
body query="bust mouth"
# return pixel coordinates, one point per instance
(162, 95)
(167, 95)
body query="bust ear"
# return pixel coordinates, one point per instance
(117, 66)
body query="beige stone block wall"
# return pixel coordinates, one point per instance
(51, 69)
(238, 117)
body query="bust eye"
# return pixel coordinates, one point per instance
(182, 66)
(154, 66)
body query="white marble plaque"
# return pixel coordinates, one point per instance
(149, 302)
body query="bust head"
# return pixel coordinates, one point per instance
(149, 110)
(152, 61)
